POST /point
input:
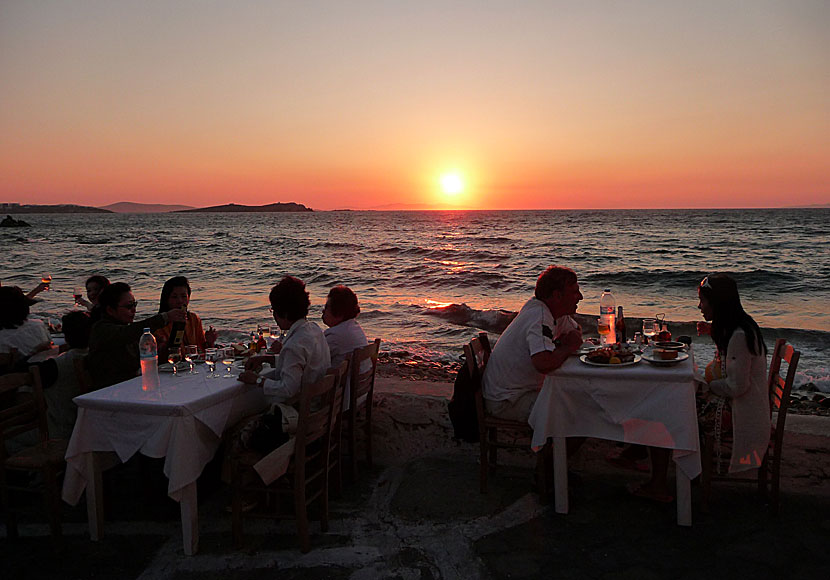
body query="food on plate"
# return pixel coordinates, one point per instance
(665, 353)
(610, 355)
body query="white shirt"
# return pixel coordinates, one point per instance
(343, 339)
(510, 372)
(28, 338)
(304, 359)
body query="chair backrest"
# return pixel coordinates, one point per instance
(21, 411)
(780, 387)
(316, 405)
(82, 375)
(363, 379)
(476, 355)
(8, 360)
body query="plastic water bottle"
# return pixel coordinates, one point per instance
(148, 354)
(606, 326)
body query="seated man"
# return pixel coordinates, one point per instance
(537, 342)
(303, 356)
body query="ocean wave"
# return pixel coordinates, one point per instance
(461, 314)
(773, 281)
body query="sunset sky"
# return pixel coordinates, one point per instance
(371, 104)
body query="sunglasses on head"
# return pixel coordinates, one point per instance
(705, 283)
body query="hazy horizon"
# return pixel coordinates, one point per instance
(444, 105)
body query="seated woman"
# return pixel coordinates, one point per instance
(343, 334)
(175, 294)
(17, 330)
(94, 285)
(303, 359)
(733, 402)
(113, 343)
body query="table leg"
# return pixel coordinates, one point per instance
(189, 506)
(560, 475)
(684, 499)
(94, 497)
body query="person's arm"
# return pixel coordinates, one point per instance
(548, 361)
(37, 290)
(286, 386)
(123, 333)
(738, 364)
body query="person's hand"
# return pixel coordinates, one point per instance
(37, 290)
(249, 377)
(704, 328)
(572, 341)
(275, 347)
(255, 363)
(177, 315)
(210, 336)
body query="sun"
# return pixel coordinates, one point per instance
(452, 183)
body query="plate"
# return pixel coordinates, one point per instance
(57, 335)
(681, 356)
(584, 358)
(585, 350)
(168, 368)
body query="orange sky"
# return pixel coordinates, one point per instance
(368, 104)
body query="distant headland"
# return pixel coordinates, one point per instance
(61, 208)
(132, 207)
(234, 208)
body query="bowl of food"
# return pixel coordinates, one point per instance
(669, 345)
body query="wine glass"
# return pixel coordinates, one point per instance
(78, 295)
(191, 353)
(46, 279)
(211, 356)
(650, 328)
(173, 357)
(227, 360)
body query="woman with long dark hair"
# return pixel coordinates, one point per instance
(175, 294)
(732, 399)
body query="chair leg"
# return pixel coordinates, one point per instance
(52, 501)
(776, 480)
(353, 445)
(324, 501)
(706, 473)
(11, 517)
(236, 505)
(483, 466)
(301, 513)
(493, 440)
(368, 429)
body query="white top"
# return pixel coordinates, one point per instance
(304, 359)
(746, 385)
(510, 372)
(28, 338)
(61, 410)
(343, 339)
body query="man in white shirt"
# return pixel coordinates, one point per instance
(304, 355)
(541, 337)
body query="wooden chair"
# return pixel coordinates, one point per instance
(779, 399)
(8, 360)
(335, 461)
(476, 354)
(82, 374)
(306, 481)
(21, 412)
(360, 397)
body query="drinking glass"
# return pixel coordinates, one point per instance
(46, 279)
(211, 356)
(78, 294)
(173, 357)
(227, 360)
(191, 353)
(274, 331)
(650, 327)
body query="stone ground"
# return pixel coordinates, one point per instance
(418, 515)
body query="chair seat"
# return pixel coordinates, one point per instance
(37, 456)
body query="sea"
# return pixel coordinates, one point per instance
(428, 281)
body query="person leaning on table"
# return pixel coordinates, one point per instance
(113, 343)
(303, 359)
(537, 342)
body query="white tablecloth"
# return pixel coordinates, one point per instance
(181, 421)
(636, 404)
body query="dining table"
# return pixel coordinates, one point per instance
(182, 420)
(637, 403)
